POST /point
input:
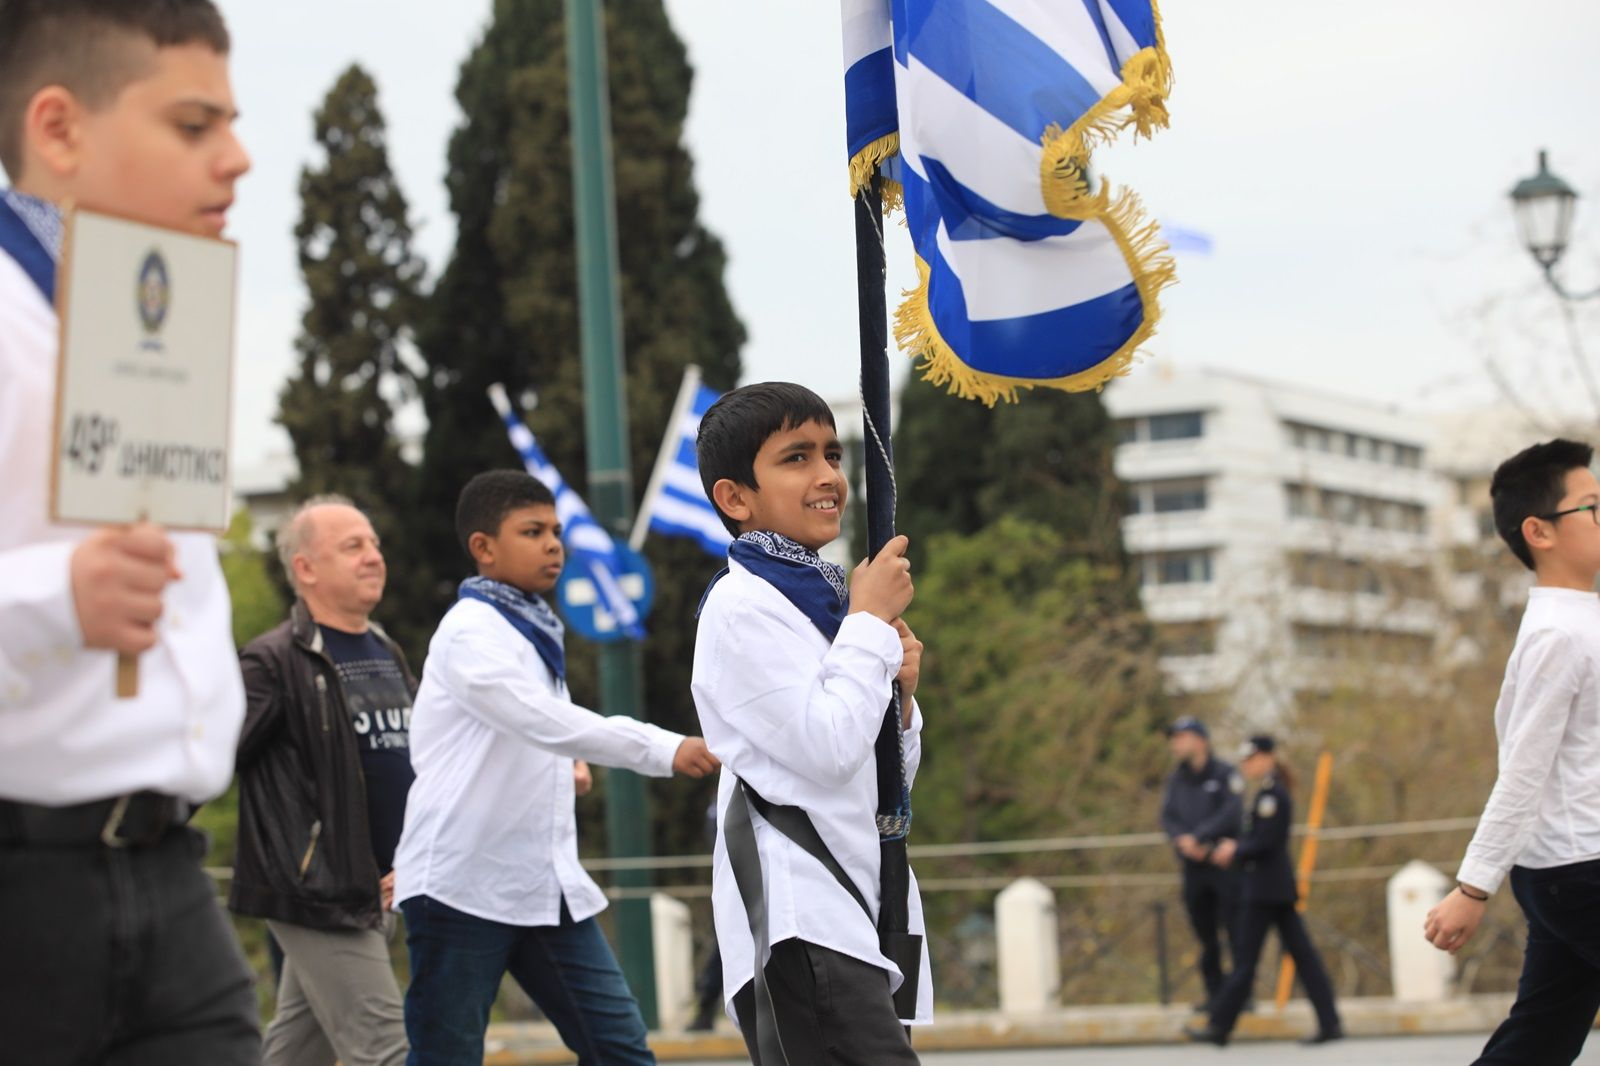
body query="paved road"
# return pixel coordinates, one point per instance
(1404, 1051)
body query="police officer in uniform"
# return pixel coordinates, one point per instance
(1269, 894)
(1202, 805)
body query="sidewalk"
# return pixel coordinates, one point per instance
(528, 1044)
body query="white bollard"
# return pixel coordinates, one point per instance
(672, 936)
(1029, 948)
(1421, 972)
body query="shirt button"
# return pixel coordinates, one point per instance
(32, 660)
(198, 732)
(174, 619)
(15, 693)
(63, 657)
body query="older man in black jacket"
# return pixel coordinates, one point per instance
(324, 768)
(1203, 804)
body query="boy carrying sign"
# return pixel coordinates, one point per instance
(792, 675)
(114, 947)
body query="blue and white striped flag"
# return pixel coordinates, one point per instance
(675, 501)
(1029, 276)
(589, 547)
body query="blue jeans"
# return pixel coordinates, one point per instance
(457, 962)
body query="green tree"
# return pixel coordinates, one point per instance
(1047, 459)
(257, 604)
(362, 278)
(505, 311)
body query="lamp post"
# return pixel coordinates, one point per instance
(1543, 206)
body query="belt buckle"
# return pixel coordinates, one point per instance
(109, 832)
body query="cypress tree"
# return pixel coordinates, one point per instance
(505, 310)
(362, 277)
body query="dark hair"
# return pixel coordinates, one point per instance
(1531, 483)
(82, 45)
(487, 499)
(737, 425)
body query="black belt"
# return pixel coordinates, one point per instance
(136, 820)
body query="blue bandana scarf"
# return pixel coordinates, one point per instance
(30, 233)
(530, 615)
(814, 585)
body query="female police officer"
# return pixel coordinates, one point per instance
(1268, 897)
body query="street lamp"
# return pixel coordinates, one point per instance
(1543, 205)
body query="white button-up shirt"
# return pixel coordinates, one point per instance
(1545, 807)
(797, 719)
(64, 736)
(490, 828)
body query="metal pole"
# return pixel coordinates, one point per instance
(1163, 978)
(606, 437)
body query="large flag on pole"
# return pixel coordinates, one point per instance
(675, 501)
(590, 549)
(983, 113)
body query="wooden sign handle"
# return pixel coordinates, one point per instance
(127, 676)
(128, 665)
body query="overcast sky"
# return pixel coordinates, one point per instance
(1350, 161)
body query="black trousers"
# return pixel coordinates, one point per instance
(833, 1010)
(1558, 994)
(1254, 921)
(120, 956)
(1211, 897)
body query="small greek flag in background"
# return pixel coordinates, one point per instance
(590, 550)
(982, 115)
(676, 504)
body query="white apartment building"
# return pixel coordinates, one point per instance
(1283, 536)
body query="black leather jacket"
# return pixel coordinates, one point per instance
(304, 851)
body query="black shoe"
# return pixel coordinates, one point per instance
(1322, 1036)
(1207, 1035)
(1203, 1007)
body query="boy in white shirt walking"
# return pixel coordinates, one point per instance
(792, 676)
(1542, 821)
(487, 871)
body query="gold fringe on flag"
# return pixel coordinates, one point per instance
(1149, 261)
(867, 162)
(1140, 101)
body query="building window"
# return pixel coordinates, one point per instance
(1176, 568)
(1187, 638)
(1360, 646)
(1309, 438)
(1127, 430)
(1182, 426)
(1352, 509)
(1333, 573)
(1166, 497)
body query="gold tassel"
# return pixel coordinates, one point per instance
(1149, 261)
(1140, 101)
(870, 158)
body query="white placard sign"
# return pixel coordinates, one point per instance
(145, 385)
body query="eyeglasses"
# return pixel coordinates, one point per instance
(1592, 508)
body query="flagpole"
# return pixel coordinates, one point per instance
(894, 877)
(680, 407)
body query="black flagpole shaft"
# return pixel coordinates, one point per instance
(872, 300)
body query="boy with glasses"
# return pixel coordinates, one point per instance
(1542, 821)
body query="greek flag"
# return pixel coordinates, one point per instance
(675, 501)
(982, 114)
(590, 550)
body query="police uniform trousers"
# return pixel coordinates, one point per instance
(832, 1010)
(114, 948)
(1211, 898)
(1254, 921)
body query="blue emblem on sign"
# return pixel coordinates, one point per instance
(580, 600)
(155, 292)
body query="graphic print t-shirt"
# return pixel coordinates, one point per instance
(380, 710)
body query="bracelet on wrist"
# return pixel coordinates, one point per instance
(1472, 893)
